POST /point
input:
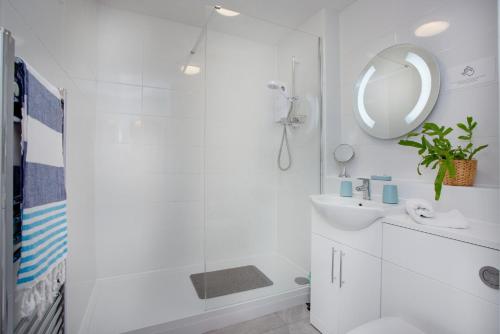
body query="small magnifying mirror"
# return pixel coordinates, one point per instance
(343, 154)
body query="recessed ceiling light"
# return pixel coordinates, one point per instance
(431, 28)
(226, 12)
(190, 69)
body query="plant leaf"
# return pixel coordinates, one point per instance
(450, 166)
(410, 143)
(425, 142)
(431, 126)
(469, 120)
(427, 160)
(463, 127)
(447, 131)
(438, 182)
(477, 150)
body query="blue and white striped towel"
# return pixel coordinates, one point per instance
(44, 222)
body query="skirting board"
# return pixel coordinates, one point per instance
(219, 318)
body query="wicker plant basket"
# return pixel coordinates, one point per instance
(466, 173)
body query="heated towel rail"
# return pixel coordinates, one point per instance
(53, 320)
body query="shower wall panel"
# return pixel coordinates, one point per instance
(149, 152)
(303, 179)
(241, 136)
(156, 140)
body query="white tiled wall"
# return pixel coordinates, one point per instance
(58, 39)
(150, 157)
(240, 144)
(172, 164)
(303, 179)
(367, 27)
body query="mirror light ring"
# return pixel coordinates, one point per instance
(426, 86)
(361, 95)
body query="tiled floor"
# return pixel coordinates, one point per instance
(294, 320)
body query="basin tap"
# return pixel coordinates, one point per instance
(365, 188)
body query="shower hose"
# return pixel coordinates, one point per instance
(284, 146)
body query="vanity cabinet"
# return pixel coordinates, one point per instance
(441, 278)
(343, 296)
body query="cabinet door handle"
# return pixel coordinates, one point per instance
(332, 274)
(341, 281)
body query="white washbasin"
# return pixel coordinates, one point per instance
(351, 213)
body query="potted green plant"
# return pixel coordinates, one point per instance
(456, 164)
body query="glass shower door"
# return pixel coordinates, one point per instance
(256, 215)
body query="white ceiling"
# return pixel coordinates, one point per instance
(289, 13)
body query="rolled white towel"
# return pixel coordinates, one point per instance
(450, 219)
(419, 208)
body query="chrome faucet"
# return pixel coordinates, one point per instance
(365, 188)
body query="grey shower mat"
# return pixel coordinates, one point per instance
(227, 281)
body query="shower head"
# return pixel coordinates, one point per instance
(281, 87)
(277, 85)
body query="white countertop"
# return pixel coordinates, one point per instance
(479, 233)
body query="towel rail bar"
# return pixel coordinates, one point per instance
(7, 54)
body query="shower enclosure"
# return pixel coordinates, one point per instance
(187, 180)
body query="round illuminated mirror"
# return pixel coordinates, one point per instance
(396, 91)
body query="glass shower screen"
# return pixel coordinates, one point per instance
(256, 215)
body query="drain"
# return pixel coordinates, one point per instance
(301, 280)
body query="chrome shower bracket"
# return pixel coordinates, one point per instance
(293, 121)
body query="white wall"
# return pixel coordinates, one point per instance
(303, 178)
(172, 164)
(57, 39)
(241, 140)
(148, 185)
(155, 140)
(367, 27)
